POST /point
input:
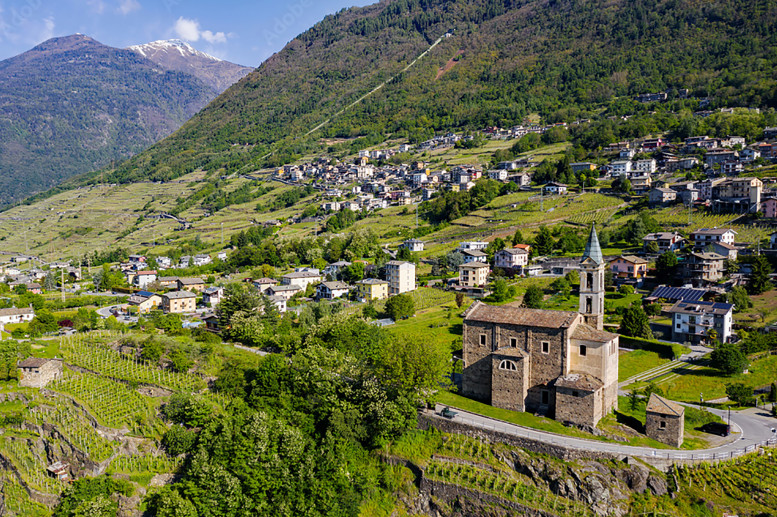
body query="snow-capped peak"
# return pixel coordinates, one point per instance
(148, 49)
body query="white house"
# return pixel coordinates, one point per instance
(164, 262)
(692, 322)
(554, 188)
(301, 279)
(511, 259)
(212, 296)
(474, 256)
(498, 174)
(706, 236)
(400, 276)
(620, 167)
(644, 166)
(413, 245)
(144, 278)
(332, 290)
(201, 260)
(14, 315)
(472, 245)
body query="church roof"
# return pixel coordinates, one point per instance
(507, 315)
(662, 406)
(593, 250)
(579, 381)
(586, 332)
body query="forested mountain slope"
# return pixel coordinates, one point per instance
(71, 105)
(503, 60)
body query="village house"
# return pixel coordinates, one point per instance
(629, 267)
(556, 363)
(332, 290)
(413, 245)
(703, 269)
(474, 274)
(676, 294)
(400, 276)
(212, 296)
(664, 420)
(512, 260)
(641, 184)
(301, 278)
(472, 245)
(661, 196)
(666, 241)
(145, 301)
(196, 285)
(202, 260)
(694, 322)
(769, 207)
(647, 166)
(704, 236)
(14, 315)
(179, 302)
(262, 284)
(474, 256)
(620, 168)
(335, 269)
(144, 278)
(168, 282)
(371, 289)
(37, 372)
(164, 263)
(737, 195)
(553, 188)
(283, 291)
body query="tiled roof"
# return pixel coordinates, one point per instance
(16, 312)
(579, 381)
(585, 332)
(505, 314)
(701, 308)
(33, 362)
(178, 295)
(191, 281)
(592, 249)
(662, 406)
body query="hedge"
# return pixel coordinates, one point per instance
(666, 350)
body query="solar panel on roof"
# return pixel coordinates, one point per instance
(678, 293)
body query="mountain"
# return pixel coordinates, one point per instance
(72, 104)
(487, 62)
(180, 56)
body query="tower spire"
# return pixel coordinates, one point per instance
(592, 248)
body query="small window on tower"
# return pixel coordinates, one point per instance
(482, 340)
(545, 347)
(583, 350)
(513, 342)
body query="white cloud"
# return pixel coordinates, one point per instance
(128, 6)
(189, 30)
(48, 29)
(98, 6)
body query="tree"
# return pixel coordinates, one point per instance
(238, 297)
(652, 247)
(517, 237)
(666, 264)
(773, 393)
(544, 242)
(759, 279)
(739, 298)
(740, 393)
(180, 361)
(404, 254)
(459, 300)
(635, 322)
(533, 297)
(152, 351)
(354, 272)
(503, 291)
(400, 307)
(562, 286)
(729, 359)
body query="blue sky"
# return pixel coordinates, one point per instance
(245, 32)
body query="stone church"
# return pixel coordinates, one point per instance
(555, 363)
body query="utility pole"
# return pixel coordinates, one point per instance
(222, 235)
(62, 281)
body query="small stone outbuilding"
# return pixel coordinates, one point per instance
(665, 421)
(37, 372)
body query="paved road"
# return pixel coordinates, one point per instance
(751, 428)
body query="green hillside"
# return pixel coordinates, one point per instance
(504, 60)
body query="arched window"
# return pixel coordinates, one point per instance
(590, 281)
(508, 365)
(588, 305)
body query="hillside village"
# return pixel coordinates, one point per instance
(535, 300)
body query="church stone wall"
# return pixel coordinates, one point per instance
(508, 388)
(578, 406)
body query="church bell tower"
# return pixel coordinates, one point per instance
(592, 282)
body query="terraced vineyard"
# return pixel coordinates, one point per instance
(99, 358)
(748, 484)
(30, 461)
(113, 404)
(17, 500)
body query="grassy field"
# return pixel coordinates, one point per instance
(688, 385)
(637, 361)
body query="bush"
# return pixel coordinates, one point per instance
(626, 290)
(400, 307)
(729, 359)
